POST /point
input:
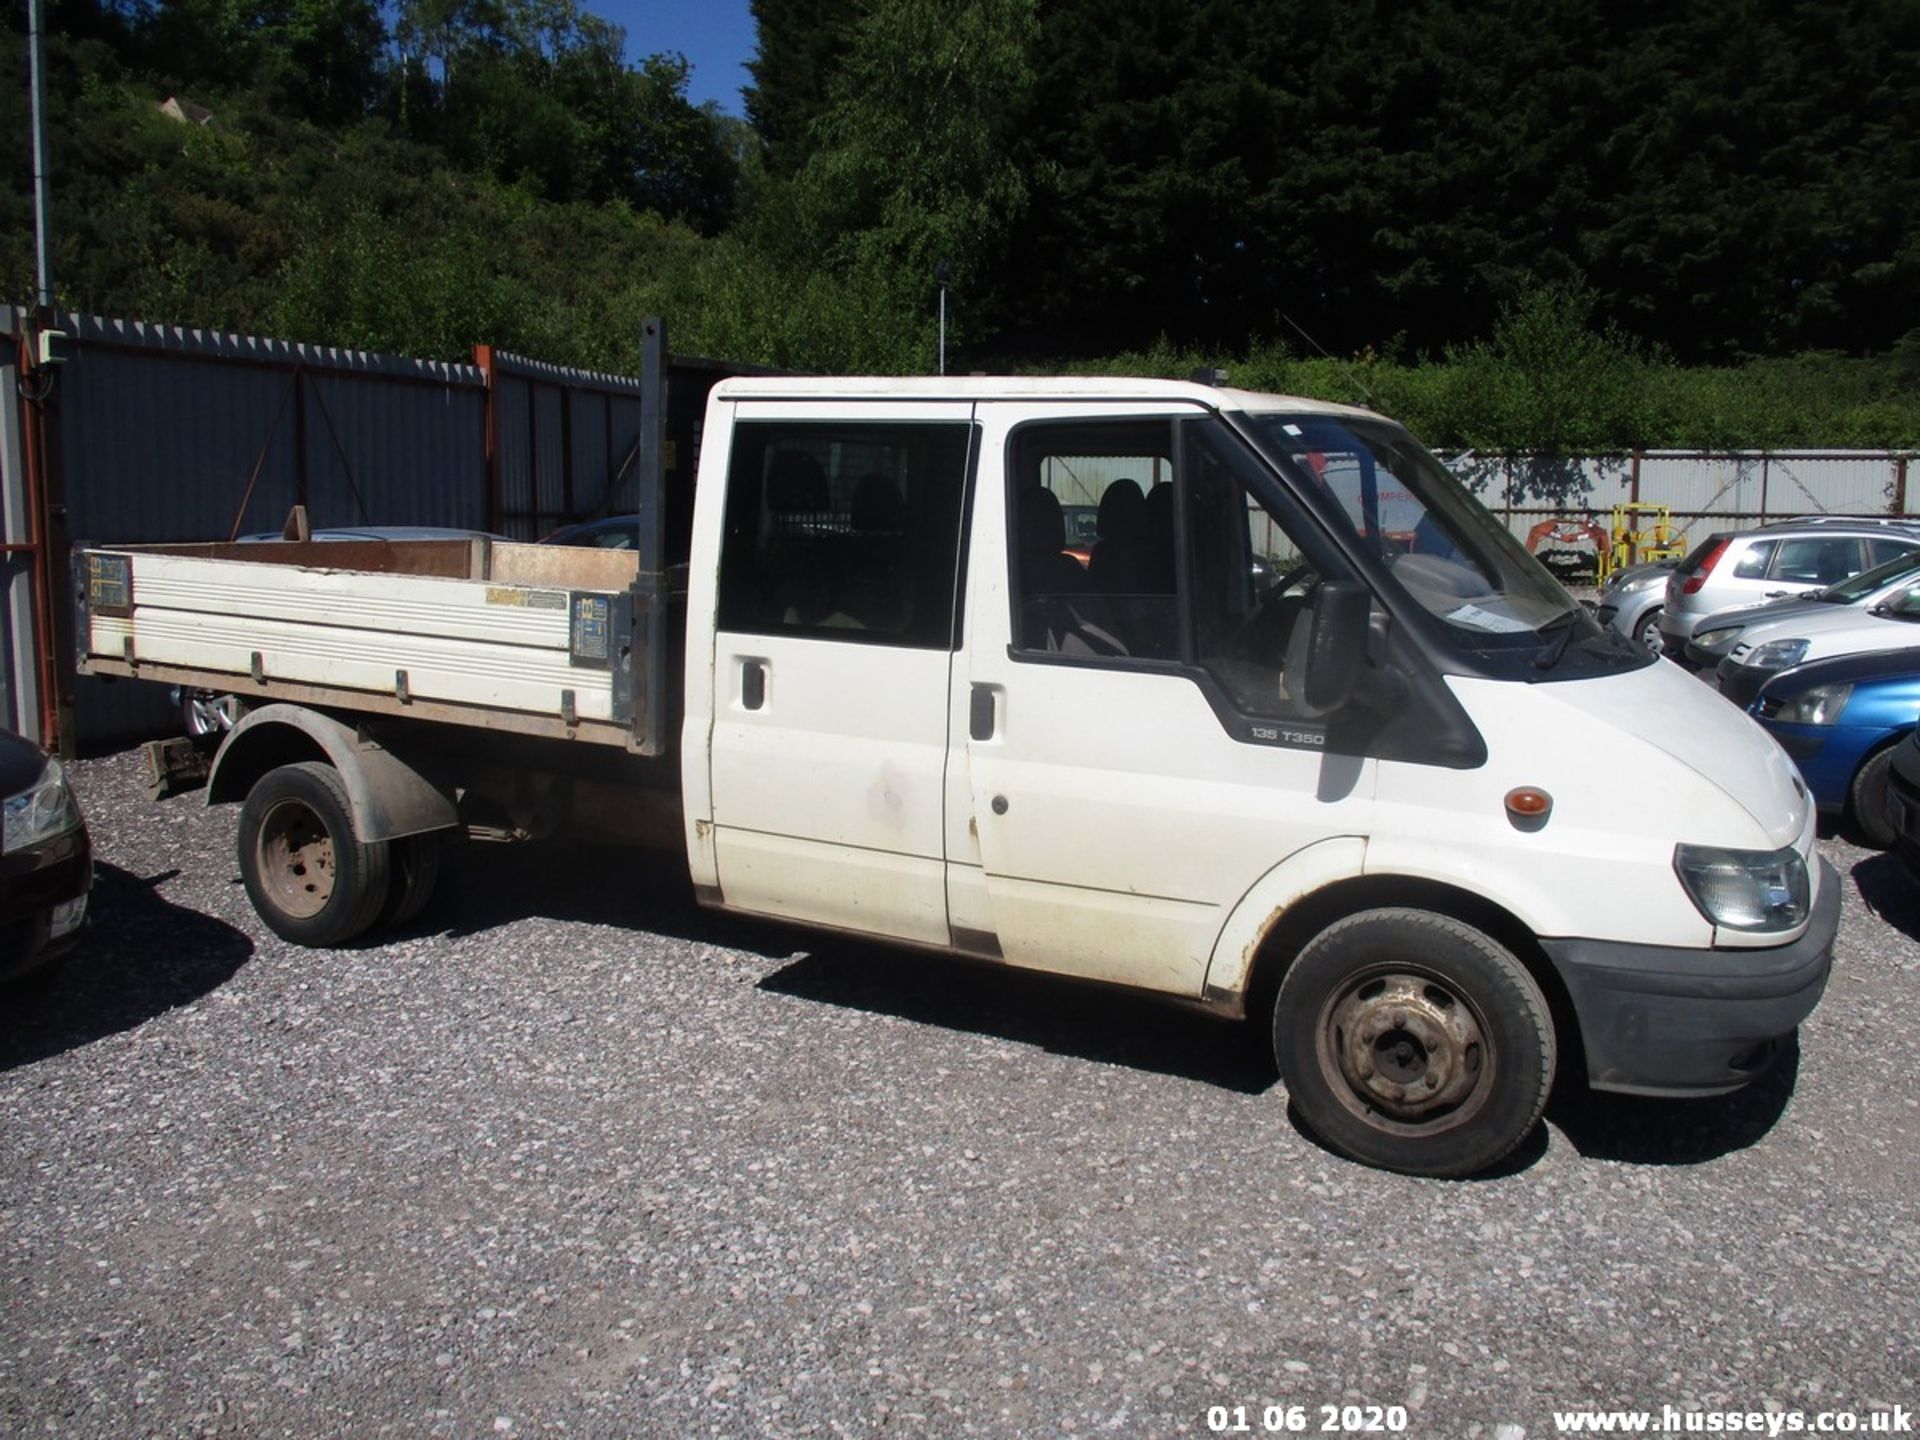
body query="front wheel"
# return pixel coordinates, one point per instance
(1414, 1042)
(309, 876)
(1867, 801)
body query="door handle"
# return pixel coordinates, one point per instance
(980, 716)
(753, 683)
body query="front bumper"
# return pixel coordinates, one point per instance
(42, 902)
(1662, 1021)
(1697, 658)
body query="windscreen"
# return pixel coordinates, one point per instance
(1438, 543)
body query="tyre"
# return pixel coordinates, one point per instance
(1414, 1042)
(415, 866)
(1647, 633)
(309, 877)
(1867, 801)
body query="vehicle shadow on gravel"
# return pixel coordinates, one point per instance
(1644, 1131)
(1055, 1015)
(1889, 892)
(141, 957)
(483, 886)
(491, 885)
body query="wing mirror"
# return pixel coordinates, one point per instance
(1337, 647)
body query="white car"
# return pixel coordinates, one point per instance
(1717, 635)
(1762, 651)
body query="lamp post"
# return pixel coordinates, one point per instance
(943, 274)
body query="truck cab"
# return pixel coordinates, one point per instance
(1309, 737)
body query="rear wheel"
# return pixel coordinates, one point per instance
(416, 870)
(310, 878)
(1414, 1042)
(1867, 801)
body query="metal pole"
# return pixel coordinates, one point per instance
(943, 321)
(43, 278)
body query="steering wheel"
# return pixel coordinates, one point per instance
(1285, 583)
(1263, 631)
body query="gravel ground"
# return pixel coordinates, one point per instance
(533, 1168)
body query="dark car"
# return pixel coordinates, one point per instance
(1903, 802)
(46, 862)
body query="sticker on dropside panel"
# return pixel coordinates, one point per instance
(110, 584)
(526, 599)
(590, 642)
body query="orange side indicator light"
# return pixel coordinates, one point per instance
(1528, 808)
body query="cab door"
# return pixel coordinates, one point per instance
(834, 611)
(1131, 751)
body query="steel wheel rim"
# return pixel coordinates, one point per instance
(295, 858)
(1405, 1050)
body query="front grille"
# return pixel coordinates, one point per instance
(1606, 613)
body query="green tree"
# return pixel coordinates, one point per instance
(801, 43)
(538, 92)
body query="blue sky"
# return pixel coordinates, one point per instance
(716, 36)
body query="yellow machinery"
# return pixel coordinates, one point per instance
(1632, 546)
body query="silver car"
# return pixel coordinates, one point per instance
(1631, 600)
(1730, 569)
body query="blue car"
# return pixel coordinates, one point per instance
(1840, 719)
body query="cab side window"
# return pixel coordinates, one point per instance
(1092, 540)
(1194, 570)
(844, 531)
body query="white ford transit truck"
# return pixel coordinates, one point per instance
(1303, 736)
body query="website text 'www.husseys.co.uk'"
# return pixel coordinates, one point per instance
(1670, 1420)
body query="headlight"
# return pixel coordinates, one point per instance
(1776, 655)
(1716, 639)
(1819, 705)
(41, 813)
(1745, 889)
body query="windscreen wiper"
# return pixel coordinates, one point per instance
(1557, 647)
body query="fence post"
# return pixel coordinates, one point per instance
(1765, 466)
(300, 495)
(1900, 485)
(490, 433)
